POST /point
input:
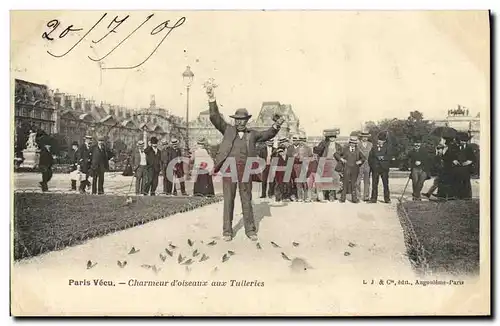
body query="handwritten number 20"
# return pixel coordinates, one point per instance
(54, 24)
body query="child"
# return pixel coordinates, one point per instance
(315, 192)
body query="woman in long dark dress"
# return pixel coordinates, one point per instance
(202, 167)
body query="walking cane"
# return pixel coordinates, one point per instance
(404, 190)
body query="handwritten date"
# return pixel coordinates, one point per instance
(115, 23)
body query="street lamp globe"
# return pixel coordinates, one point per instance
(188, 76)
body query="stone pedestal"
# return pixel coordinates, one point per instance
(31, 158)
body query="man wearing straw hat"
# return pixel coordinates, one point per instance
(365, 147)
(238, 144)
(153, 158)
(352, 158)
(139, 166)
(84, 156)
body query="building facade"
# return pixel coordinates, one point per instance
(72, 117)
(461, 120)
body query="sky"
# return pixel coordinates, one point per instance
(336, 69)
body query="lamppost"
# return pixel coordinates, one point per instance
(188, 77)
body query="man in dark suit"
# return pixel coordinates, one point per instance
(352, 158)
(238, 144)
(84, 156)
(464, 169)
(165, 149)
(174, 154)
(420, 165)
(379, 159)
(45, 163)
(139, 166)
(153, 159)
(73, 158)
(266, 153)
(100, 164)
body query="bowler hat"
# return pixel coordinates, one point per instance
(241, 114)
(154, 140)
(382, 136)
(463, 136)
(75, 143)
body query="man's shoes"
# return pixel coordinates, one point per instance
(185, 194)
(387, 201)
(253, 237)
(426, 195)
(227, 238)
(373, 201)
(342, 201)
(366, 199)
(355, 201)
(263, 196)
(153, 194)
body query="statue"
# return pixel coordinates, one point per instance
(30, 154)
(31, 143)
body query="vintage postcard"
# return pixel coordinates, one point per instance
(245, 163)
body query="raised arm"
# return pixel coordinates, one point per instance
(262, 136)
(215, 116)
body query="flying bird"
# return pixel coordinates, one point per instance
(203, 258)
(347, 253)
(258, 246)
(190, 242)
(163, 257)
(155, 269)
(295, 244)
(146, 266)
(122, 264)
(195, 253)
(180, 258)
(172, 246)
(171, 254)
(285, 257)
(225, 258)
(275, 245)
(133, 251)
(351, 244)
(212, 243)
(188, 262)
(90, 264)
(231, 252)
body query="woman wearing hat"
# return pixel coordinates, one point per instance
(328, 164)
(202, 170)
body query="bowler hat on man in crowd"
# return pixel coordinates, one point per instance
(154, 140)
(382, 136)
(241, 114)
(75, 143)
(463, 136)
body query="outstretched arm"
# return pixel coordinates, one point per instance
(215, 117)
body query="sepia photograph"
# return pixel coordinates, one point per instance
(250, 163)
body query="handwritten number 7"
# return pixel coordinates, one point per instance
(52, 24)
(118, 23)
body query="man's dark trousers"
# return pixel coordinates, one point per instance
(153, 176)
(98, 181)
(418, 177)
(229, 192)
(46, 176)
(350, 175)
(384, 175)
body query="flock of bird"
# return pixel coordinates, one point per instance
(197, 256)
